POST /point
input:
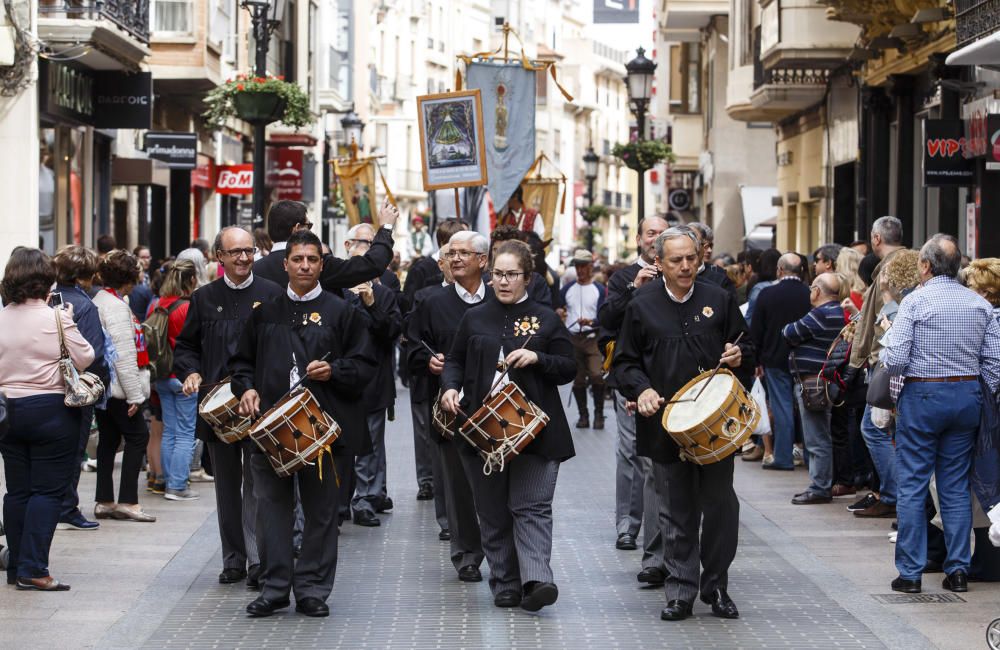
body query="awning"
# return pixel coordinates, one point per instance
(757, 206)
(139, 171)
(985, 51)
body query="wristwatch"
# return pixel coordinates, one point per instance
(630, 287)
(388, 226)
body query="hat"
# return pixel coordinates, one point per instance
(582, 256)
(417, 219)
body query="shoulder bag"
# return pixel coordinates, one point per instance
(815, 390)
(82, 388)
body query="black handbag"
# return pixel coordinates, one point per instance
(818, 394)
(878, 394)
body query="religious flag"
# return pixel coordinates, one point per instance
(357, 182)
(541, 195)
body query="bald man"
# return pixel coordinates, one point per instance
(810, 339)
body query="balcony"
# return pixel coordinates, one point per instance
(616, 202)
(876, 18)
(781, 92)
(117, 29)
(797, 33)
(682, 20)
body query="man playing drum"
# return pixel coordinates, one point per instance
(215, 320)
(283, 343)
(672, 331)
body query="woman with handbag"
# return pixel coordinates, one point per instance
(40, 446)
(121, 418)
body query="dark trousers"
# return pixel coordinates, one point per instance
(313, 573)
(114, 425)
(71, 502)
(235, 503)
(698, 498)
(466, 544)
(38, 453)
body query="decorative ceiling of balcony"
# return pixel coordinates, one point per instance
(876, 17)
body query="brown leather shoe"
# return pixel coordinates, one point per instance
(755, 454)
(48, 583)
(841, 490)
(879, 510)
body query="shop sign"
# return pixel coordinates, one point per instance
(286, 176)
(106, 100)
(993, 142)
(203, 175)
(944, 160)
(178, 150)
(235, 179)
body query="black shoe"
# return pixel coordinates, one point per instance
(385, 505)
(311, 606)
(808, 498)
(253, 576)
(538, 595)
(470, 573)
(444, 535)
(957, 581)
(652, 576)
(676, 610)
(426, 492)
(863, 503)
(722, 605)
(507, 598)
(264, 607)
(626, 542)
(598, 421)
(229, 576)
(583, 422)
(365, 518)
(906, 586)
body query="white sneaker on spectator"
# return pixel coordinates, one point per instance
(90, 465)
(797, 458)
(200, 476)
(892, 537)
(181, 495)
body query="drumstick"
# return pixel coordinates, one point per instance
(716, 371)
(429, 348)
(302, 380)
(505, 371)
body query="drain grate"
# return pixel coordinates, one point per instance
(908, 599)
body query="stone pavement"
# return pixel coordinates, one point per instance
(804, 577)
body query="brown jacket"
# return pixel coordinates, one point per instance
(865, 347)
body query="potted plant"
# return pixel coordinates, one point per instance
(594, 213)
(643, 155)
(258, 100)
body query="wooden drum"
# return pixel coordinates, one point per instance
(444, 421)
(220, 410)
(294, 432)
(503, 427)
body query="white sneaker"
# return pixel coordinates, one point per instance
(89, 465)
(797, 458)
(181, 495)
(892, 537)
(200, 476)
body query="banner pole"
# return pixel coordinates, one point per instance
(458, 213)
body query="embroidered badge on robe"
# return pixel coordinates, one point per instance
(315, 318)
(527, 325)
(708, 311)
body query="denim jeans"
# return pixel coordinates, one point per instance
(936, 432)
(779, 397)
(819, 444)
(883, 455)
(179, 414)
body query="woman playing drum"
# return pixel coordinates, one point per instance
(514, 505)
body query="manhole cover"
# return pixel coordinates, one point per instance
(907, 599)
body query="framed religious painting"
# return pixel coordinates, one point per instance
(452, 145)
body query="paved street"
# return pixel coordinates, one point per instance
(804, 577)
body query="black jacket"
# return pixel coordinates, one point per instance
(777, 306)
(337, 273)
(715, 275)
(424, 272)
(385, 322)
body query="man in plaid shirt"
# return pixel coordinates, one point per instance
(943, 338)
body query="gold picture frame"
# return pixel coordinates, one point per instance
(452, 140)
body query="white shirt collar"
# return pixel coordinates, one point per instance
(686, 297)
(471, 298)
(242, 285)
(522, 298)
(311, 295)
(701, 268)
(279, 246)
(642, 263)
(445, 283)
(789, 277)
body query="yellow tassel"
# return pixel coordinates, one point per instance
(552, 71)
(562, 204)
(458, 79)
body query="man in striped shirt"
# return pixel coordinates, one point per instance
(810, 338)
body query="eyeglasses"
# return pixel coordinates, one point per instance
(239, 252)
(307, 225)
(507, 276)
(355, 242)
(450, 255)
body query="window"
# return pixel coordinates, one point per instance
(220, 27)
(685, 78)
(340, 52)
(173, 17)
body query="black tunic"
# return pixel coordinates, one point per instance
(337, 273)
(384, 325)
(215, 319)
(310, 329)
(436, 323)
(472, 363)
(664, 344)
(423, 273)
(419, 377)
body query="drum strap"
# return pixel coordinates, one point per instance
(336, 474)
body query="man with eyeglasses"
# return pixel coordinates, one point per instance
(287, 217)
(215, 320)
(435, 323)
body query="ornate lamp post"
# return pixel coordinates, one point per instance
(353, 127)
(639, 79)
(625, 228)
(590, 164)
(265, 16)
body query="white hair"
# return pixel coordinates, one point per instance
(479, 243)
(353, 232)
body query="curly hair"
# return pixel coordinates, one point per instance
(519, 250)
(983, 277)
(119, 268)
(29, 274)
(73, 263)
(901, 273)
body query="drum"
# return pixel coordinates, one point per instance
(219, 410)
(444, 421)
(715, 425)
(294, 432)
(503, 427)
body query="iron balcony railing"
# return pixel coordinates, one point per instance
(975, 19)
(130, 15)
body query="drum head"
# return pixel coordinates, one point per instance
(685, 415)
(219, 396)
(289, 405)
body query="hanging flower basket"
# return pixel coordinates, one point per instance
(643, 155)
(258, 100)
(593, 213)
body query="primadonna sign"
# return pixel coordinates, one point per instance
(235, 179)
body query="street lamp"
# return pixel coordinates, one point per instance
(353, 127)
(590, 163)
(265, 16)
(625, 230)
(639, 79)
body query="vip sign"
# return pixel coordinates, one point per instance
(235, 179)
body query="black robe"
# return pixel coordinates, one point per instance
(310, 329)
(337, 273)
(717, 276)
(419, 377)
(385, 322)
(423, 273)
(215, 320)
(436, 323)
(664, 345)
(472, 364)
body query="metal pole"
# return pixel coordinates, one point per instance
(261, 37)
(640, 117)
(590, 223)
